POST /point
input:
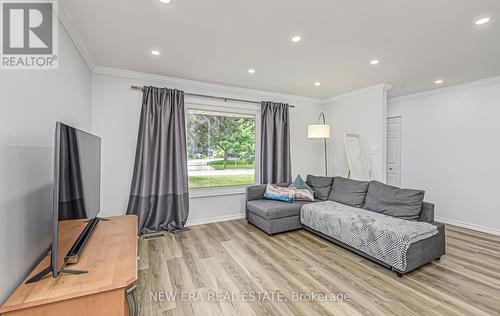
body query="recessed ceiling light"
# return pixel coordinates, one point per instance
(483, 21)
(166, 1)
(251, 71)
(439, 81)
(317, 83)
(296, 38)
(155, 52)
(374, 62)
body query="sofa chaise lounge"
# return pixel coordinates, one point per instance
(349, 213)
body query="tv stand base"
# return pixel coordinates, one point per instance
(48, 270)
(37, 277)
(74, 271)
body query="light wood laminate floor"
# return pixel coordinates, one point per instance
(224, 268)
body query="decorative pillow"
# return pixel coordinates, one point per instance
(349, 192)
(299, 183)
(303, 195)
(321, 186)
(277, 193)
(393, 201)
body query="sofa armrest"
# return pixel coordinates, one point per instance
(255, 192)
(427, 213)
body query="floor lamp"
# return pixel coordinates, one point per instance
(320, 131)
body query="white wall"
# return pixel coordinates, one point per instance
(451, 148)
(363, 112)
(115, 117)
(30, 104)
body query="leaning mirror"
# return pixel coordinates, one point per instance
(356, 157)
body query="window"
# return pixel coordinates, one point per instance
(221, 148)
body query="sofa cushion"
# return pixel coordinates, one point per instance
(393, 201)
(299, 183)
(321, 186)
(349, 192)
(269, 209)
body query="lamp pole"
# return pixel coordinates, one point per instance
(323, 131)
(322, 117)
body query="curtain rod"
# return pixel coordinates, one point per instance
(209, 96)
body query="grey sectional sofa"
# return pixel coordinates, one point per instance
(275, 217)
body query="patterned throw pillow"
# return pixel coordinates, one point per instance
(277, 193)
(303, 195)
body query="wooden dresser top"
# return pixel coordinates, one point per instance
(110, 256)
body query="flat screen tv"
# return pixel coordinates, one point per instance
(76, 196)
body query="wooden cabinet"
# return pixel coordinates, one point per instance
(110, 256)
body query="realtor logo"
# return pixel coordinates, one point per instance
(29, 34)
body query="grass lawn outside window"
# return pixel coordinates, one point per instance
(220, 180)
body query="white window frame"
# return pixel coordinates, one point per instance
(226, 107)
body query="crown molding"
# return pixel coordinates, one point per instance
(228, 90)
(453, 88)
(380, 86)
(193, 86)
(69, 26)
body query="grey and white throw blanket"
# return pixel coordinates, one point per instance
(383, 237)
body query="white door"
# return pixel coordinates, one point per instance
(394, 151)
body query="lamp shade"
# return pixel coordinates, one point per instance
(318, 131)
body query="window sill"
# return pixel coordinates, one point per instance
(216, 191)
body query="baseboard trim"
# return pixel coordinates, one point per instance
(483, 229)
(217, 219)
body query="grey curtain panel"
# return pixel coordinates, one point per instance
(275, 143)
(159, 192)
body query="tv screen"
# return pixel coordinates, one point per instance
(77, 172)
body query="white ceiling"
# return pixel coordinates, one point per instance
(416, 41)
